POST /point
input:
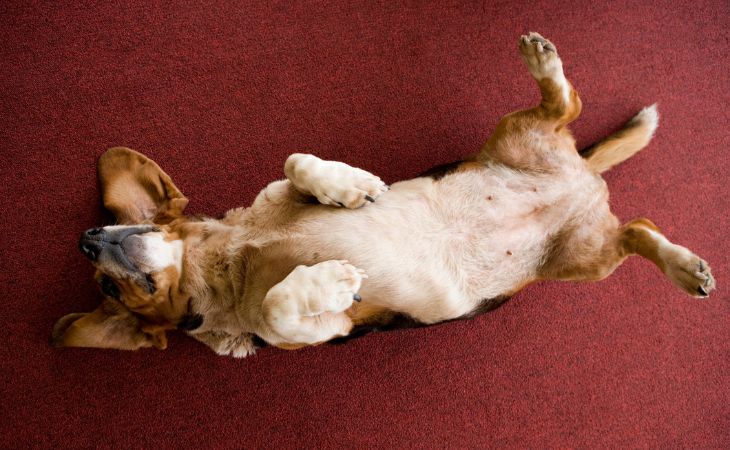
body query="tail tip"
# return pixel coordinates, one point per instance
(648, 117)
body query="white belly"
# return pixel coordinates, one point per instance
(435, 250)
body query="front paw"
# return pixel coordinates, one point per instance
(349, 187)
(330, 286)
(225, 344)
(334, 183)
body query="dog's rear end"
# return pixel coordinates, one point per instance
(592, 246)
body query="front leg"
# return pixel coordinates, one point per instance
(226, 344)
(308, 306)
(333, 183)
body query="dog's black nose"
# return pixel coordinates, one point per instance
(91, 249)
(93, 231)
(91, 242)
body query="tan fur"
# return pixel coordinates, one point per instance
(109, 326)
(527, 207)
(129, 175)
(625, 143)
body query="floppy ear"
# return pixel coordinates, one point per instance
(136, 190)
(111, 325)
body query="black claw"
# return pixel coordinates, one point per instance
(357, 298)
(702, 291)
(341, 204)
(369, 198)
(702, 267)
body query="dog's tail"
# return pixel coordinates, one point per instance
(624, 143)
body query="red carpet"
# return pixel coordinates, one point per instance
(220, 95)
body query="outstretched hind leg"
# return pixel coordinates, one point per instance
(593, 256)
(686, 270)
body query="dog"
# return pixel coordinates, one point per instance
(332, 250)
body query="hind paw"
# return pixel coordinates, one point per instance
(690, 272)
(541, 57)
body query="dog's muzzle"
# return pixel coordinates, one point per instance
(96, 240)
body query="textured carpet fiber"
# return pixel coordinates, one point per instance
(220, 94)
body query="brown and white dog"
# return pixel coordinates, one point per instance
(291, 269)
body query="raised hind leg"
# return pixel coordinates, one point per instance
(560, 103)
(525, 139)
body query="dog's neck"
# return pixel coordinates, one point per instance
(214, 274)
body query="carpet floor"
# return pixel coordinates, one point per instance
(219, 93)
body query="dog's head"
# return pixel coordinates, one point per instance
(139, 262)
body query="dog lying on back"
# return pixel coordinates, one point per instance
(332, 249)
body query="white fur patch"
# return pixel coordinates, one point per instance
(667, 250)
(649, 116)
(306, 306)
(564, 87)
(333, 183)
(157, 253)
